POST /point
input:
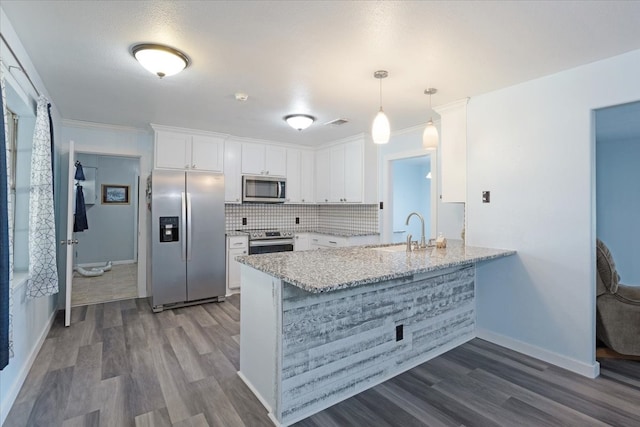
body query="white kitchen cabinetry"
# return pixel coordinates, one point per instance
(236, 246)
(307, 177)
(453, 150)
(322, 176)
(300, 176)
(302, 242)
(345, 162)
(318, 241)
(182, 149)
(347, 173)
(294, 188)
(232, 172)
(263, 159)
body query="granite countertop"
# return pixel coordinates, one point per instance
(326, 270)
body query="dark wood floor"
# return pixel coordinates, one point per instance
(121, 365)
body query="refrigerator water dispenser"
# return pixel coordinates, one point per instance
(169, 229)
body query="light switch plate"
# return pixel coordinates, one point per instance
(486, 197)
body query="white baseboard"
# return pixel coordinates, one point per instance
(568, 363)
(9, 399)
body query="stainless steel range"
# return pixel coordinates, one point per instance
(268, 241)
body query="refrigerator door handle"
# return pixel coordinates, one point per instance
(189, 227)
(183, 225)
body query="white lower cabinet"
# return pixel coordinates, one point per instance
(302, 242)
(236, 246)
(318, 241)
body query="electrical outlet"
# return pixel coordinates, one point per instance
(399, 332)
(244, 221)
(297, 220)
(486, 197)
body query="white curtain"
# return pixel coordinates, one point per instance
(43, 272)
(9, 208)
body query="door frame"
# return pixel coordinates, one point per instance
(141, 217)
(386, 233)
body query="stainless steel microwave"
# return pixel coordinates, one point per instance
(263, 189)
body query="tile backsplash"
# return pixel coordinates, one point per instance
(350, 218)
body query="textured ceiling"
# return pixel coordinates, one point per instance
(314, 57)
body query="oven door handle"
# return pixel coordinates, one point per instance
(274, 242)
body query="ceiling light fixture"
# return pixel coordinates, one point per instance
(380, 130)
(161, 60)
(299, 121)
(430, 135)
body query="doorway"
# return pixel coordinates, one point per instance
(409, 185)
(617, 150)
(105, 258)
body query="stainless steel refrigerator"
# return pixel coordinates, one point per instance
(187, 238)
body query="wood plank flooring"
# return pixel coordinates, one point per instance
(121, 365)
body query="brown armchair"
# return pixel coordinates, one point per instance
(618, 306)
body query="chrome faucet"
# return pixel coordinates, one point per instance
(423, 242)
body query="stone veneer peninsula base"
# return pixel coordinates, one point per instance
(303, 351)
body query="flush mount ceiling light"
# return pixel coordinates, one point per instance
(430, 135)
(159, 59)
(380, 130)
(299, 121)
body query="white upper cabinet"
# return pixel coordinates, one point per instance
(294, 185)
(232, 172)
(353, 172)
(207, 153)
(453, 150)
(307, 177)
(181, 149)
(263, 159)
(300, 176)
(343, 174)
(322, 176)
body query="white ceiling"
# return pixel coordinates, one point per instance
(314, 57)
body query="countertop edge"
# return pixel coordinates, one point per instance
(344, 285)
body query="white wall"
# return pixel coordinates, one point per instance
(532, 146)
(111, 235)
(618, 204)
(31, 317)
(411, 193)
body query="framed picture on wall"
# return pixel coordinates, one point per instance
(115, 194)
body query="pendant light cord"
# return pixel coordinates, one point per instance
(380, 94)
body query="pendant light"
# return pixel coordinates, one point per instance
(380, 130)
(159, 59)
(430, 135)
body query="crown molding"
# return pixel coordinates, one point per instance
(103, 126)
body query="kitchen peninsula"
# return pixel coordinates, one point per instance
(320, 326)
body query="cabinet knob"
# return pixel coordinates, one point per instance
(303, 200)
(186, 166)
(193, 166)
(345, 199)
(326, 200)
(267, 172)
(237, 200)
